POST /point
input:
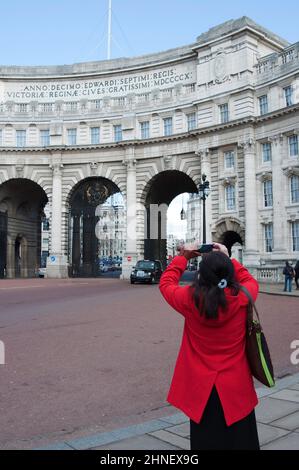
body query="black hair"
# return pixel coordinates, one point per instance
(207, 295)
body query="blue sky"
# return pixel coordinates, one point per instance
(65, 31)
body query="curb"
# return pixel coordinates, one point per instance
(283, 294)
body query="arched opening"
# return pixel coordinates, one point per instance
(160, 191)
(231, 232)
(21, 210)
(233, 242)
(96, 229)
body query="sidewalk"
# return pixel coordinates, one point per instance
(277, 289)
(277, 416)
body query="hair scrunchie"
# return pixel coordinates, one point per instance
(222, 284)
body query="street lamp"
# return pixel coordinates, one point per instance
(183, 213)
(204, 191)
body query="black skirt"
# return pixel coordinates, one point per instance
(212, 433)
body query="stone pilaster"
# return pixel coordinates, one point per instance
(57, 261)
(279, 223)
(130, 255)
(205, 168)
(251, 252)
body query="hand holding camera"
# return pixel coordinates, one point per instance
(192, 250)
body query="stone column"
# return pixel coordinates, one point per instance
(57, 261)
(279, 222)
(205, 168)
(251, 252)
(130, 255)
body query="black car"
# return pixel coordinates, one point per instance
(146, 271)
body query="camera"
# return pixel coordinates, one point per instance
(205, 248)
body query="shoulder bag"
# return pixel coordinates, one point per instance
(257, 350)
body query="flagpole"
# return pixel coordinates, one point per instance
(109, 30)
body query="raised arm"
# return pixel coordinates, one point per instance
(176, 296)
(244, 278)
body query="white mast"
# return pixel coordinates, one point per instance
(109, 31)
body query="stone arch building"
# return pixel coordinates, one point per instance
(226, 105)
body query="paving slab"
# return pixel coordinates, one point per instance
(178, 418)
(288, 395)
(290, 422)
(145, 442)
(183, 429)
(270, 409)
(294, 387)
(102, 439)
(289, 442)
(173, 439)
(269, 433)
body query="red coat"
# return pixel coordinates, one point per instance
(212, 351)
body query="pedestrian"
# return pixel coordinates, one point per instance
(212, 383)
(297, 274)
(289, 274)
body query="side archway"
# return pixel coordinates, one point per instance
(22, 202)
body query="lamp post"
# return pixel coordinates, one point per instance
(204, 191)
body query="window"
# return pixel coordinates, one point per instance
(168, 126)
(71, 106)
(267, 152)
(21, 138)
(288, 93)
(97, 104)
(268, 194)
(230, 197)
(143, 97)
(190, 88)
(120, 101)
(118, 134)
(263, 104)
(46, 107)
(295, 235)
(45, 137)
(269, 238)
(191, 121)
(294, 183)
(22, 108)
(293, 145)
(144, 129)
(46, 225)
(95, 135)
(224, 116)
(72, 136)
(229, 160)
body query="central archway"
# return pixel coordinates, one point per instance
(95, 230)
(159, 193)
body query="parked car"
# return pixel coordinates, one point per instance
(41, 272)
(146, 271)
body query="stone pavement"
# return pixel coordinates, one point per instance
(277, 416)
(277, 289)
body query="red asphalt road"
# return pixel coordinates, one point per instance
(90, 355)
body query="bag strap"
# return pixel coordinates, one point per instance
(250, 307)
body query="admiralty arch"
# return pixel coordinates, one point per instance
(146, 128)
